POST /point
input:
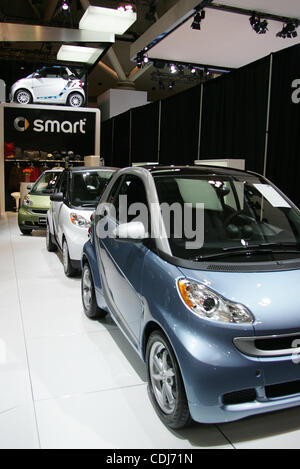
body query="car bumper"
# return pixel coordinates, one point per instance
(223, 384)
(34, 220)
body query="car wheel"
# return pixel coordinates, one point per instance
(165, 382)
(51, 247)
(75, 100)
(89, 301)
(68, 268)
(23, 97)
(25, 231)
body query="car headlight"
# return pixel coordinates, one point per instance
(209, 305)
(78, 220)
(27, 202)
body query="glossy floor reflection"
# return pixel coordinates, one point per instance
(68, 382)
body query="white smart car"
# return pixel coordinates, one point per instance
(55, 85)
(74, 200)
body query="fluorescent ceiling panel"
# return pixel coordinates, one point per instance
(79, 54)
(107, 20)
(225, 39)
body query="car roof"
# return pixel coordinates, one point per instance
(79, 169)
(193, 170)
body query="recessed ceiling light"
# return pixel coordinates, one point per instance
(107, 20)
(78, 54)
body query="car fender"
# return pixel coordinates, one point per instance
(89, 255)
(50, 221)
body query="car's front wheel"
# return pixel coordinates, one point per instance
(75, 100)
(68, 268)
(89, 301)
(165, 382)
(23, 97)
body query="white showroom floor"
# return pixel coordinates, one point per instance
(67, 382)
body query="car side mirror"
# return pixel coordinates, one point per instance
(57, 197)
(29, 187)
(133, 231)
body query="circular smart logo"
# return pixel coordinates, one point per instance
(21, 124)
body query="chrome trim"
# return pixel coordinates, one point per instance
(247, 346)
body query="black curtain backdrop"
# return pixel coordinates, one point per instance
(106, 141)
(180, 127)
(121, 140)
(283, 164)
(144, 136)
(234, 115)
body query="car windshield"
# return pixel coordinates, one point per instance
(239, 214)
(46, 183)
(87, 187)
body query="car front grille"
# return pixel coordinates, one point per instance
(39, 211)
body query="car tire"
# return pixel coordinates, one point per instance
(23, 96)
(26, 231)
(89, 301)
(68, 268)
(165, 383)
(75, 100)
(51, 247)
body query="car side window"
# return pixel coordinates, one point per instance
(62, 185)
(133, 191)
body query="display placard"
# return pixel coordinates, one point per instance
(49, 129)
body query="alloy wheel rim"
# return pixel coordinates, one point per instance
(76, 100)
(23, 98)
(162, 377)
(87, 289)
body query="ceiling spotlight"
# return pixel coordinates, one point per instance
(65, 6)
(141, 59)
(171, 85)
(173, 69)
(126, 7)
(199, 16)
(289, 30)
(258, 25)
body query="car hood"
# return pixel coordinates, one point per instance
(39, 201)
(272, 297)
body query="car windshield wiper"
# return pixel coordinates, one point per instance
(88, 205)
(264, 248)
(291, 244)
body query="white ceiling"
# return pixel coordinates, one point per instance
(290, 8)
(226, 39)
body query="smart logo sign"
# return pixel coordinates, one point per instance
(50, 130)
(296, 92)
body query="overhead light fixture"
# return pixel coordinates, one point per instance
(199, 16)
(126, 7)
(141, 59)
(258, 25)
(65, 5)
(289, 30)
(87, 55)
(173, 68)
(107, 20)
(171, 85)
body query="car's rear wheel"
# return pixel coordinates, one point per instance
(68, 268)
(51, 247)
(25, 231)
(89, 301)
(75, 100)
(23, 97)
(165, 382)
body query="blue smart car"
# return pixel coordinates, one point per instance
(200, 269)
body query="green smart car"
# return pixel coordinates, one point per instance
(33, 213)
